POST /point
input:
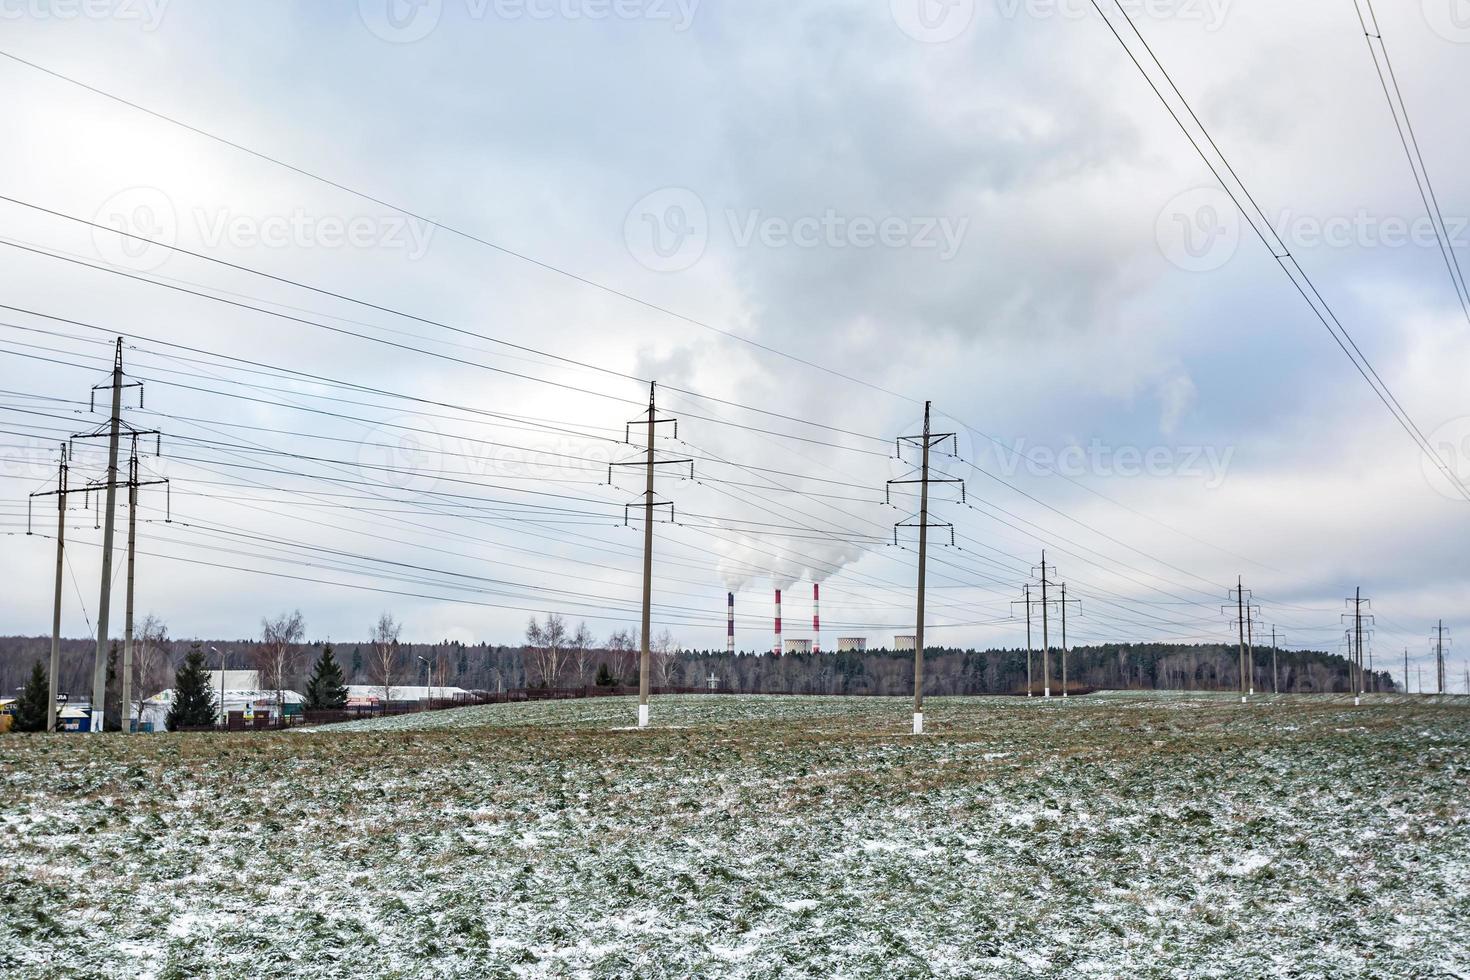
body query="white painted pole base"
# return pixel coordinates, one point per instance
(1242, 699)
(643, 716)
(918, 722)
(1357, 702)
(1046, 693)
(1253, 691)
(96, 727)
(1064, 694)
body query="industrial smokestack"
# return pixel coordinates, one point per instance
(730, 626)
(778, 623)
(816, 618)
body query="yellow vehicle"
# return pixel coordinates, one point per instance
(7, 714)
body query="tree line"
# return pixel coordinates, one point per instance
(556, 654)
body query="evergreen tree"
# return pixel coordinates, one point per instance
(604, 676)
(356, 662)
(30, 710)
(325, 689)
(193, 704)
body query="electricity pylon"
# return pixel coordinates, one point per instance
(926, 442)
(649, 463)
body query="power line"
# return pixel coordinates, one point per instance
(1410, 142)
(1264, 230)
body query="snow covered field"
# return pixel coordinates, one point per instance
(1111, 836)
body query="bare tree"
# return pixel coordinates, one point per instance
(385, 654)
(276, 655)
(149, 655)
(547, 647)
(582, 642)
(665, 655)
(623, 644)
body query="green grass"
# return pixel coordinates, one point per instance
(744, 836)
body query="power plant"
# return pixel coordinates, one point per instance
(852, 644)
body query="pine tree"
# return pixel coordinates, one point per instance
(193, 704)
(325, 689)
(604, 676)
(30, 710)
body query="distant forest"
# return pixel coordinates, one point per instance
(881, 672)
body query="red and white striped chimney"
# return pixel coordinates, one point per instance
(816, 618)
(778, 623)
(730, 626)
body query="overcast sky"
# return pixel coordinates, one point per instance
(830, 212)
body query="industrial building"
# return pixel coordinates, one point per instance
(852, 644)
(798, 646)
(902, 642)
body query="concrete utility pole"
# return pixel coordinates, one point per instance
(1243, 613)
(1439, 655)
(127, 668)
(1028, 636)
(1064, 600)
(1250, 652)
(1064, 639)
(133, 482)
(1406, 670)
(643, 658)
(1358, 631)
(649, 463)
(1045, 636)
(923, 555)
(1275, 675)
(1355, 642)
(60, 494)
(99, 670)
(927, 442)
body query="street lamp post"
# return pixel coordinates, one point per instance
(224, 719)
(430, 672)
